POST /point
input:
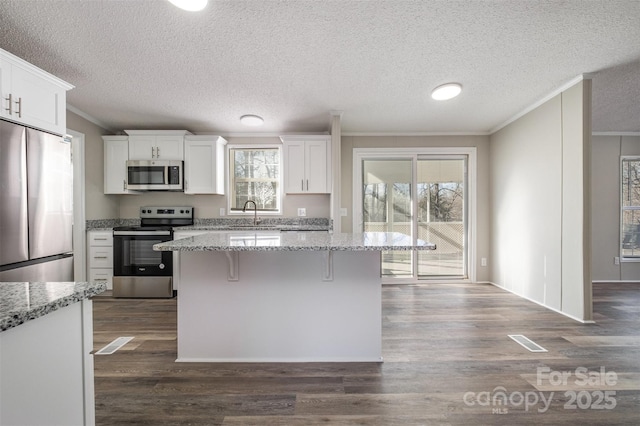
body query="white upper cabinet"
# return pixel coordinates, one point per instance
(32, 96)
(116, 154)
(156, 144)
(204, 164)
(307, 164)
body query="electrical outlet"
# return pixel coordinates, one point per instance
(483, 261)
(343, 211)
(302, 211)
(616, 260)
(222, 211)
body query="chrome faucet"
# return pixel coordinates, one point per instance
(256, 219)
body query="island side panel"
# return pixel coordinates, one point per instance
(280, 309)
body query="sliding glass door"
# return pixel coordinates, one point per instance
(387, 207)
(441, 217)
(425, 197)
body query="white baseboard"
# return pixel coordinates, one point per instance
(543, 305)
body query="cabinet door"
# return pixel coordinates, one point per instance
(116, 154)
(5, 89)
(294, 173)
(203, 167)
(37, 102)
(169, 147)
(100, 238)
(142, 147)
(316, 167)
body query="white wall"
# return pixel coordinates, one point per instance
(605, 207)
(540, 234)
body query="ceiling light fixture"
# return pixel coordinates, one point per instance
(190, 5)
(251, 120)
(446, 91)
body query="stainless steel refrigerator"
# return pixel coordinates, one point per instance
(36, 205)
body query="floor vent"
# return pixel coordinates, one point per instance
(527, 343)
(114, 346)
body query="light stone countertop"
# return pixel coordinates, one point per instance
(24, 301)
(293, 241)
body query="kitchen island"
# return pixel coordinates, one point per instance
(46, 366)
(267, 296)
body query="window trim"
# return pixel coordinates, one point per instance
(229, 180)
(624, 259)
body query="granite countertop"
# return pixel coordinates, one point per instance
(24, 301)
(226, 224)
(305, 241)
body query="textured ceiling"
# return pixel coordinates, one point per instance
(145, 64)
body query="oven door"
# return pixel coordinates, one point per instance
(133, 253)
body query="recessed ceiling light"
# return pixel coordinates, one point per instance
(251, 120)
(446, 91)
(190, 5)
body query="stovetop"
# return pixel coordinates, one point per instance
(154, 218)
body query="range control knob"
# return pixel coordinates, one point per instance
(161, 266)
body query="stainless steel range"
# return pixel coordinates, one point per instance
(138, 270)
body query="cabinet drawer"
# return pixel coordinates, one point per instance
(102, 275)
(101, 239)
(101, 257)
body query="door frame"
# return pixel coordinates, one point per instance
(79, 218)
(360, 154)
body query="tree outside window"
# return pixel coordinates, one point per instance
(630, 215)
(255, 176)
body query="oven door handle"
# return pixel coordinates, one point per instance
(140, 233)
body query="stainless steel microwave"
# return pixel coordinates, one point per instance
(154, 175)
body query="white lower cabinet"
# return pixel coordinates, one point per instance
(100, 257)
(46, 369)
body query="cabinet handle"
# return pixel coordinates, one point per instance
(302, 184)
(10, 109)
(307, 184)
(19, 102)
(100, 239)
(124, 184)
(99, 279)
(153, 150)
(157, 152)
(99, 257)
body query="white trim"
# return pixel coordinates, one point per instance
(535, 105)
(79, 217)
(616, 281)
(227, 168)
(615, 134)
(390, 153)
(416, 134)
(264, 134)
(542, 304)
(17, 61)
(90, 118)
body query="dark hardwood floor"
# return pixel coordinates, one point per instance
(448, 361)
